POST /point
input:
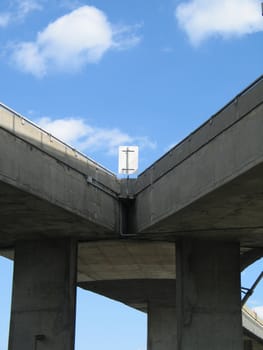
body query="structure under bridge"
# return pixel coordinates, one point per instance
(172, 243)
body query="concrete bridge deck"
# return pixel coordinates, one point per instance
(253, 329)
(65, 192)
(187, 227)
(209, 185)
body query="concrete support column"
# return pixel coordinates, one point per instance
(44, 295)
(161, 327)
(208, 296)
(248, 344)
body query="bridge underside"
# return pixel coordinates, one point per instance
(231, 212)
(173, 246)
(142, 275)
(25, 217)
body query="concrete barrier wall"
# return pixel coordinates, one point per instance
(223, 149)
(23, 128)
(44, 168)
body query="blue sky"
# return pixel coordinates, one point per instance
(103, 73)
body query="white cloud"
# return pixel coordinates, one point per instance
(259, 311)
(202, 19)
(18, 11)
(68, 130)
(85, 137)
(4, 19)
(24, 7)
(125, 36)
(83, 36)
(27, 57)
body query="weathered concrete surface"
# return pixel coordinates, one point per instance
(122, 260)
(250, 344)
(141, 293)
(49, 191)
(133, 272)
(34, 135)
(207, 186)
(253, 330)
(161, 327)
(210, 185)
(208, 296)
(136, 293)
(44, 294)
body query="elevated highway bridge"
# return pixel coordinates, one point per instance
(173, 245)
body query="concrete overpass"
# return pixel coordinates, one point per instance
(253, 328)
(173, 245)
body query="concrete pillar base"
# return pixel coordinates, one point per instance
(44, 295)
(208, 296)
(248, 344)
(161, 327)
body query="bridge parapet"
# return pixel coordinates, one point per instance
(49, 188)
(33, 134)
(252, 325)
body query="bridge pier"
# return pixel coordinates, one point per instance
(161, 327)
(248, 344)
(44, 295)
(208, 296)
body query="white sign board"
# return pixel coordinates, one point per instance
(128, 159)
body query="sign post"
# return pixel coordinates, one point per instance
(128, 159)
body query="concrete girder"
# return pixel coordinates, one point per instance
(210, 185)
(47, 195)
(207, 188)
(253, 329)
